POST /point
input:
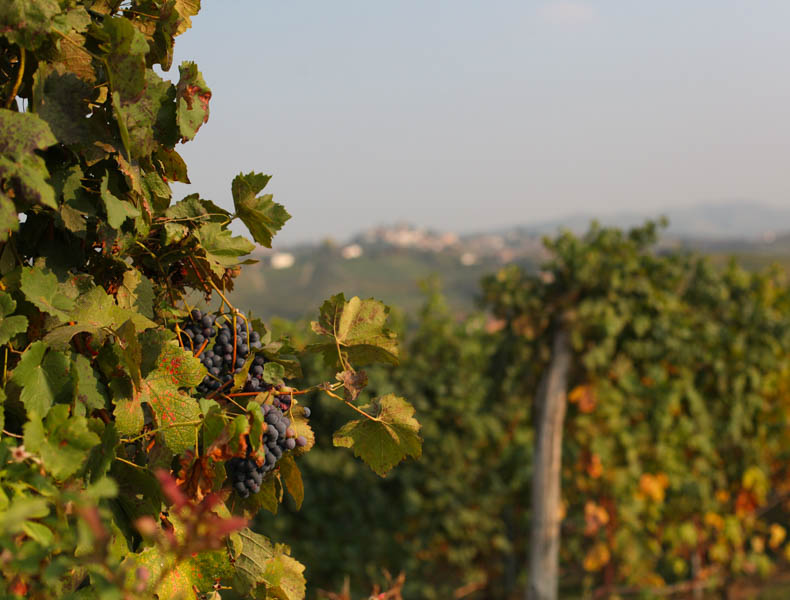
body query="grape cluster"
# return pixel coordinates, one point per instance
(244, 473)
(197, 333)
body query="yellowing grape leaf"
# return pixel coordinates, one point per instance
(357, 330)
(177, 414)
(201, 570)
(385, 439)
(292, 478)
(597, 557)
(269, 565)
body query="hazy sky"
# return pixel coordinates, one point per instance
(466, 115)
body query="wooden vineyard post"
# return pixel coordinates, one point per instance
(550, 404)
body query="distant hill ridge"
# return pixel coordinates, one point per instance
(732, 219)
(722, 221)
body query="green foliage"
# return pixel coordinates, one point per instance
(112, 478)
(680, 375)
(675, 442)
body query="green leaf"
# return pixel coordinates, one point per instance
(89, 392)
(273, 373)
(118, 210)
(102, 456)
(268, 497)
(62, 99)
(9, 218)
(136, 294)
(95, 312)
(385, 440)
(193, 96)
(262, 562)
(62, 442)
(10, 324)
(170, 165)
(22, 507)
(150, 119)
(125, 49)
(40, 286)
(27, 22)
(43, 378)
(262, 216)
(129, 417)
(221, 247)
(176, 412)
(38, 532)
(195, 208)
(357, 327)
(21, 134)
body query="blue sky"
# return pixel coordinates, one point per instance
(465, 115)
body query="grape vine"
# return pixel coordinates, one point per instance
(139, 433)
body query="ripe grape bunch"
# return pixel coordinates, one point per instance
(219, 359)
(245, 474)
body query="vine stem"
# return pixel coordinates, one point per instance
(19, 76)
(343, 363)
(158, 429)
(347, 403)
(15, 435)
(130, 463)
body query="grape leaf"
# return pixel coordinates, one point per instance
(128, 412)
(268, 497)
(182, 579)
(63, 442)
(43, 378)
(357, 327)
(125, 48)
(262, 562)
(89, 392)
(273, 373)
(10, 324)
(20, 135)
(174, 411)
(353, 383)
(27, 22)
(192, 97)
(292, 478)
(62, 100)
(95, 312)
(40, 286)
(9, 218)
(136, 294)
(118, 210)
(170, 165)
(150, 119)
(222, 248)
(262, 216)
(185, 10)
(385, 440)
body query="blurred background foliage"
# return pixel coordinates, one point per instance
(675, 449)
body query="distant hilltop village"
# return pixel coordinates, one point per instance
(737, 225)
(469, 249)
